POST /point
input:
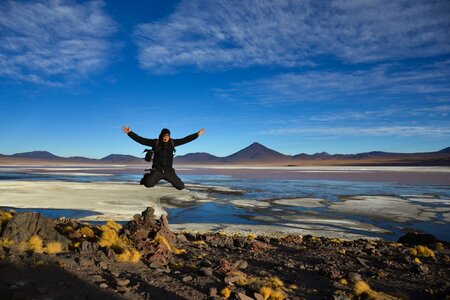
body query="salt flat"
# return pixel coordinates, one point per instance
(120, 201)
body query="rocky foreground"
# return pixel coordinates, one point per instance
(44, 258)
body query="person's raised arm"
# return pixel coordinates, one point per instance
(189, 138)
(137, 138)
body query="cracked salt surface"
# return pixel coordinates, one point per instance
(386, 207)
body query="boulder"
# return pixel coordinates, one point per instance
(152, 237)
(26, 224)
(414, 238)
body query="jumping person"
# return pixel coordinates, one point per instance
(163, 149)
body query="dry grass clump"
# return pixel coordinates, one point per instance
(87, 232)
(173, 249)
(67, 229)
(200, 243)
(5, 242)
(272, 294)
(252, 236)
(110, 237)
(129, 255)
(53, 248)
(36, 244)
(112, 225)
(5, 217)
(121, 246)
(361, 288)
(226, 292)
(336, 241)
(275, 281)
(421, 251)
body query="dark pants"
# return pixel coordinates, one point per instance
(150, 180)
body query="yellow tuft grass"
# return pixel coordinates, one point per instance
(5, 242)
(277, 294)
(67, 229)
(421, 251)
(272, 294)
(276, 282)
(341, 251)
(440, 247)
(129, 255)
(6, 216)
(361, 288)
(381, 274)
(35, 244)
(242, 280)
(112, 225)
(177, 251)
(265, 291)
(252, 236)
(199, 242)
(87, 232)
(226, 292)
(110, 238)
(336, 240)
(53, 248)
(177, 265)
(173, 249)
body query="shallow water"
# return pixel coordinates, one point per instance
(222, 211)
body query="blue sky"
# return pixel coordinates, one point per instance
(297, 76)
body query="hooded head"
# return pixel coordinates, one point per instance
(164, 135)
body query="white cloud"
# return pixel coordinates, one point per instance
(384, 82)
(40, 41)
(405, 131)
(212, 35)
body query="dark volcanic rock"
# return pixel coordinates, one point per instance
(152, 237)
(414, 238)
(26, 224)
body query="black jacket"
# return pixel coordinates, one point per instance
(163, 156)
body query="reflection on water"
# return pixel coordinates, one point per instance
(222, 211)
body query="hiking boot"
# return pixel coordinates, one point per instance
(142, 182)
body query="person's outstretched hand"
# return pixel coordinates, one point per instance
(126, 129)
(202, 131)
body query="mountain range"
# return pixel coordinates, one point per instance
(258, 154)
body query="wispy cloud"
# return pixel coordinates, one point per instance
(384, 82)
(211, 35)
(430, 114)
(50, 42)
(405, 131)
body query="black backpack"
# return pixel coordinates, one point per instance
(149, 152)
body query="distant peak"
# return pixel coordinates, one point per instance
(256, 144)
(445, 150)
